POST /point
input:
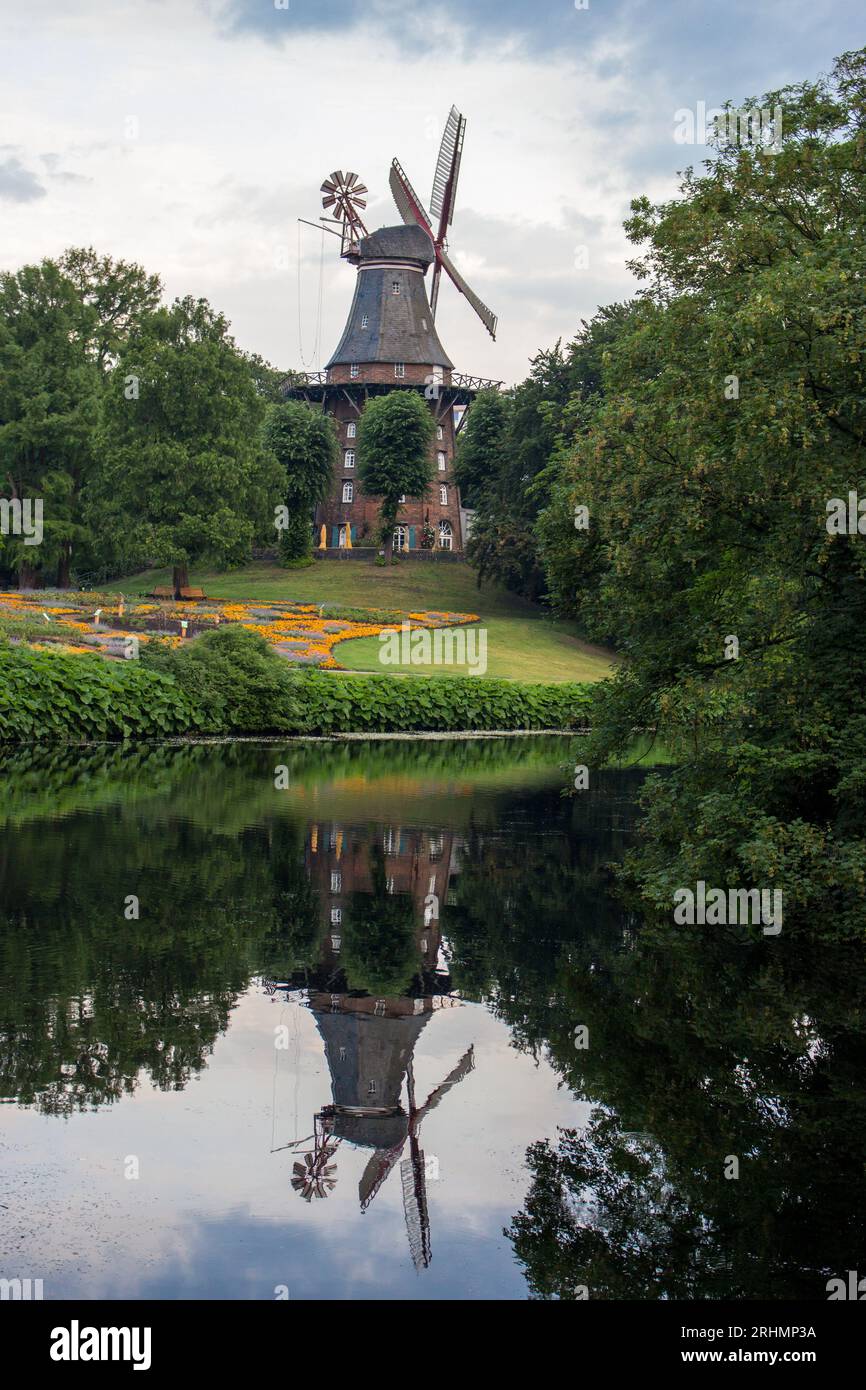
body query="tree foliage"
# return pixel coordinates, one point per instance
(395, 436)
(304, 443)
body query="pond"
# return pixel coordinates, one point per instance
(338, 1020)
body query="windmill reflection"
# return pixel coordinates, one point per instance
(382, 973)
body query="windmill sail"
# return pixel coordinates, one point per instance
(409, 204)
(447, 169)
(487, 316)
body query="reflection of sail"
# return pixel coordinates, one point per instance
(415, 1207)
(463, 1068)
(413, 1172)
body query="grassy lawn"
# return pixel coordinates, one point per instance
(522, 643)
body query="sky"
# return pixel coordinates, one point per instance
(190, 135)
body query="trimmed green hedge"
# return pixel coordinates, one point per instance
(53, 695)
(394, 704)
(241, 688)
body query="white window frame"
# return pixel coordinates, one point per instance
(440, 433)
(395, 286)
(365, 321)
(446, 535)
(399, 370)
(349, 458)
(336, 916)
(443, 494)
(351, 429)
(337, 881)
(348, 490)
(441, 460)
(355, 369)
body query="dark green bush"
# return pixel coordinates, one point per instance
(235, 680)
(47, 695)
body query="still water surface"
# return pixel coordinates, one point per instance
(303, 1018)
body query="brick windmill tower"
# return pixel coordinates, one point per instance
(390, 343)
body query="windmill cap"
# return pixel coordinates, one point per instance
(398, 244)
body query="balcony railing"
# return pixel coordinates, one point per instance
(460, 380)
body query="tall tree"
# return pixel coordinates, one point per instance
(734, 415)
(49, 401)
(184, 474)
(119, 294)
(395, 458)
(305, 444)
(482, 445)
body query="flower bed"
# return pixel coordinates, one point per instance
(300, 632)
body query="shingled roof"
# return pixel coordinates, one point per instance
(399, 326)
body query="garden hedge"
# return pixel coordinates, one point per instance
(60, 696)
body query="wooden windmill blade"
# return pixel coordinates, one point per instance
(487, 316)
(445, 178)
(409, 205)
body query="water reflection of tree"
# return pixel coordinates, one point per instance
(700, 1046)
(91, 1000)
(380, 953)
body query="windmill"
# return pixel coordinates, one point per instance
(413, 1170)
(441, 214)
(343, 199)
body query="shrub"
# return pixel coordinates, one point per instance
(234, 679)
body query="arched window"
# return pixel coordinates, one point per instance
(440, 459)
(401, 538)
(348, 491)
(445, 535)
(342, 538)
(351, 430)
(443, 494)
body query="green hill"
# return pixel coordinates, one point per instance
(523, 643)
